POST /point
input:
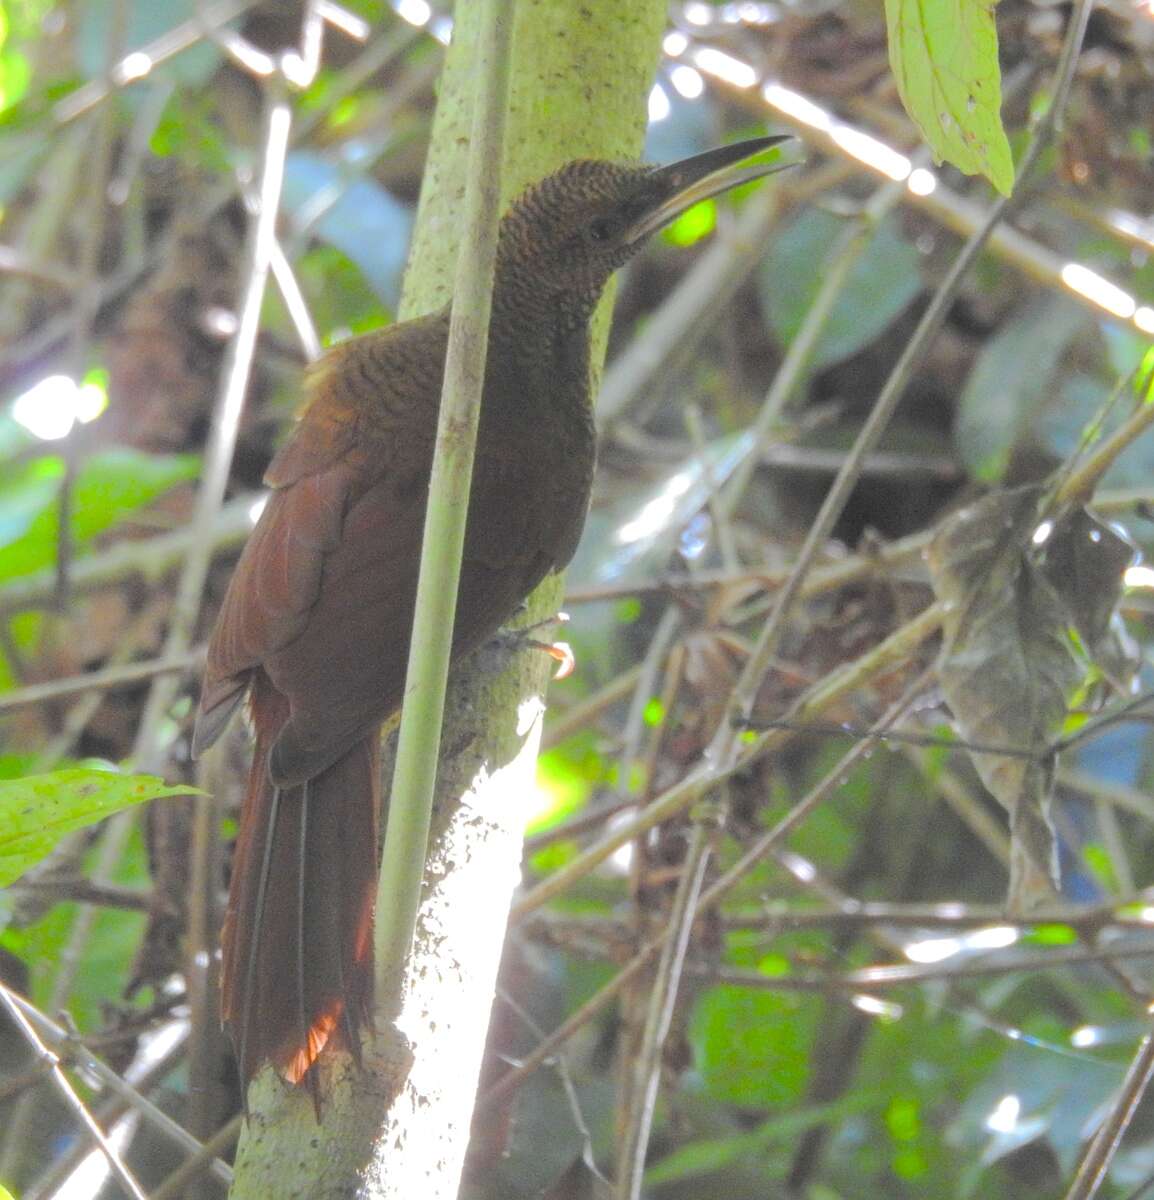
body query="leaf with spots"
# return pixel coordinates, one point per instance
(39, 810)
(1007, 667)
(944, 56)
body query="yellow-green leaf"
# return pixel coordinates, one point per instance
(944, 56)
(37, 811)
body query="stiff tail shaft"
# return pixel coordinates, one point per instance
(297, 940)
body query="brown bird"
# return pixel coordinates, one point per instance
(314, 630)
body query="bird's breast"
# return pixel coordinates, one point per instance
(534, 466)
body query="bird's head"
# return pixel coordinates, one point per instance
(568, 233)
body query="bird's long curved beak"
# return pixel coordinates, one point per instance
(680, 185)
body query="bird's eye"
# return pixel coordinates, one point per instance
(601, 230)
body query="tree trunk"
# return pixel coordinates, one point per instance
(399, 1127)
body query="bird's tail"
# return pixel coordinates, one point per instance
(297, 944)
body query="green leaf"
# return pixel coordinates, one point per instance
(109, 486)
(1052, 935)
(751, 1047)
(37, 811)
(944, 56)
(693, 224)
(26, 492)
(880, 287)
(1009, 384)
(109, 953)
(707, 1156)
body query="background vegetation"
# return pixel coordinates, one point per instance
(852, 1011)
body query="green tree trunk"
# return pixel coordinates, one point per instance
(400, 1126)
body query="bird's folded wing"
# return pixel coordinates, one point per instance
(273, 590)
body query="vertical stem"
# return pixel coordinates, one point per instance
(415, 773)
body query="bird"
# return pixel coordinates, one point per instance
(313, 632)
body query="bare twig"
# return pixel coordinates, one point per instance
(569, 722)
(646, 1069)
(849, 248)
(79, 1110)
(226, 418)
(63, 1043)
(83, 891)
(149, 559)
(147, 58)
(114, 1112)
(891, 393)
(106, 680)
(1093, 1167)
(660, 643)
(709, 773)
(98, 171)
(200, 1162)
(712, 896)
(946, 206)
(888, 975)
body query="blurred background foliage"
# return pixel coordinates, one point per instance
(980, 1066)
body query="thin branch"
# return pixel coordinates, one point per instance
(710, 772)
(775, 915)
(767, 843)
(129, 69)
(114, 1113)
(963, 798)
(52, 1063)
(62, 1042)
(894, 388)
(1093, 1167)
(646, 1069)
(295, 304)
(905, 974)
(944, 205)
(105, 680)
(201, 1162)
(660, 643)
(101, 131)
(827, 578)
(79, 890)
(570, 721)
(836, 270)
(1079, 487)
(235, 372)
(148, 559)
(79, 713)
(185, 608)
(235, 46)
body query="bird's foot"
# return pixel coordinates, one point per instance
(560, 652)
